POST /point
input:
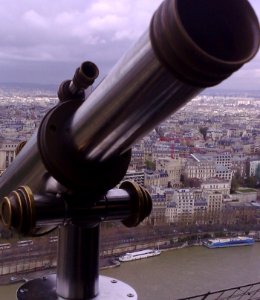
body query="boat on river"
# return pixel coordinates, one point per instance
(229, 242)
(139, 255)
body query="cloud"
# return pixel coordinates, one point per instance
(71, 24)
(65, 33)
(34, 19)
(68, 31)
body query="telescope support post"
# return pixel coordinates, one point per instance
(78, 262)
(77, 271)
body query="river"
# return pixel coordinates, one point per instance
(183, 272)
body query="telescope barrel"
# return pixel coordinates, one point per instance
(26, 169)
(190, 45)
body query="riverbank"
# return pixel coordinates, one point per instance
(113, 262)
(104, 264)
(106, 261)
(180, 273)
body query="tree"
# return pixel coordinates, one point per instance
(236, 181)
(257, 174)
(234, 185)
(247, 168)
(251, 181)
(150, 165)
(190, 182)
(203, 130)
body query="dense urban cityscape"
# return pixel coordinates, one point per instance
(201, 167)
(203, 162)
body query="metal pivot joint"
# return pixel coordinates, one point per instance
(62, 160)
(78, 248)
(81, 198)
(66, 164)
(25, 212)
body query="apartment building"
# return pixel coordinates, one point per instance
(216, 184)
(200, 169)
(7, 155)
(223, 172)
(253, 167)
(158, 215)
(214, 206)
(173, 167)
(184, 200)
(223, 159)
(137, 176)
(156, 178)
(171, 212)
(200, 211)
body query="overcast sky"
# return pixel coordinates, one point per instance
(45, 40)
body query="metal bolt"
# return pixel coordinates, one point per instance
(130, 295)
(113, 281)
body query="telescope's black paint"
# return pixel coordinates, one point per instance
(66, 165)
(130, 204)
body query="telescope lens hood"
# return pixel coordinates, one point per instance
(202, 42)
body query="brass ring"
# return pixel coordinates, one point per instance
(6, 212)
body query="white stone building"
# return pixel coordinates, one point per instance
(137, 176)
(184, 200)
(216, 184)
(253, 166)
(173, 167)
(7, 155)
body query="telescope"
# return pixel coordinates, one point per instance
(67, 172)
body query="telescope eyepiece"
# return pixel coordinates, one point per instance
(85, 75)
(83, 78)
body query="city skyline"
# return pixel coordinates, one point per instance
(43, 41)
